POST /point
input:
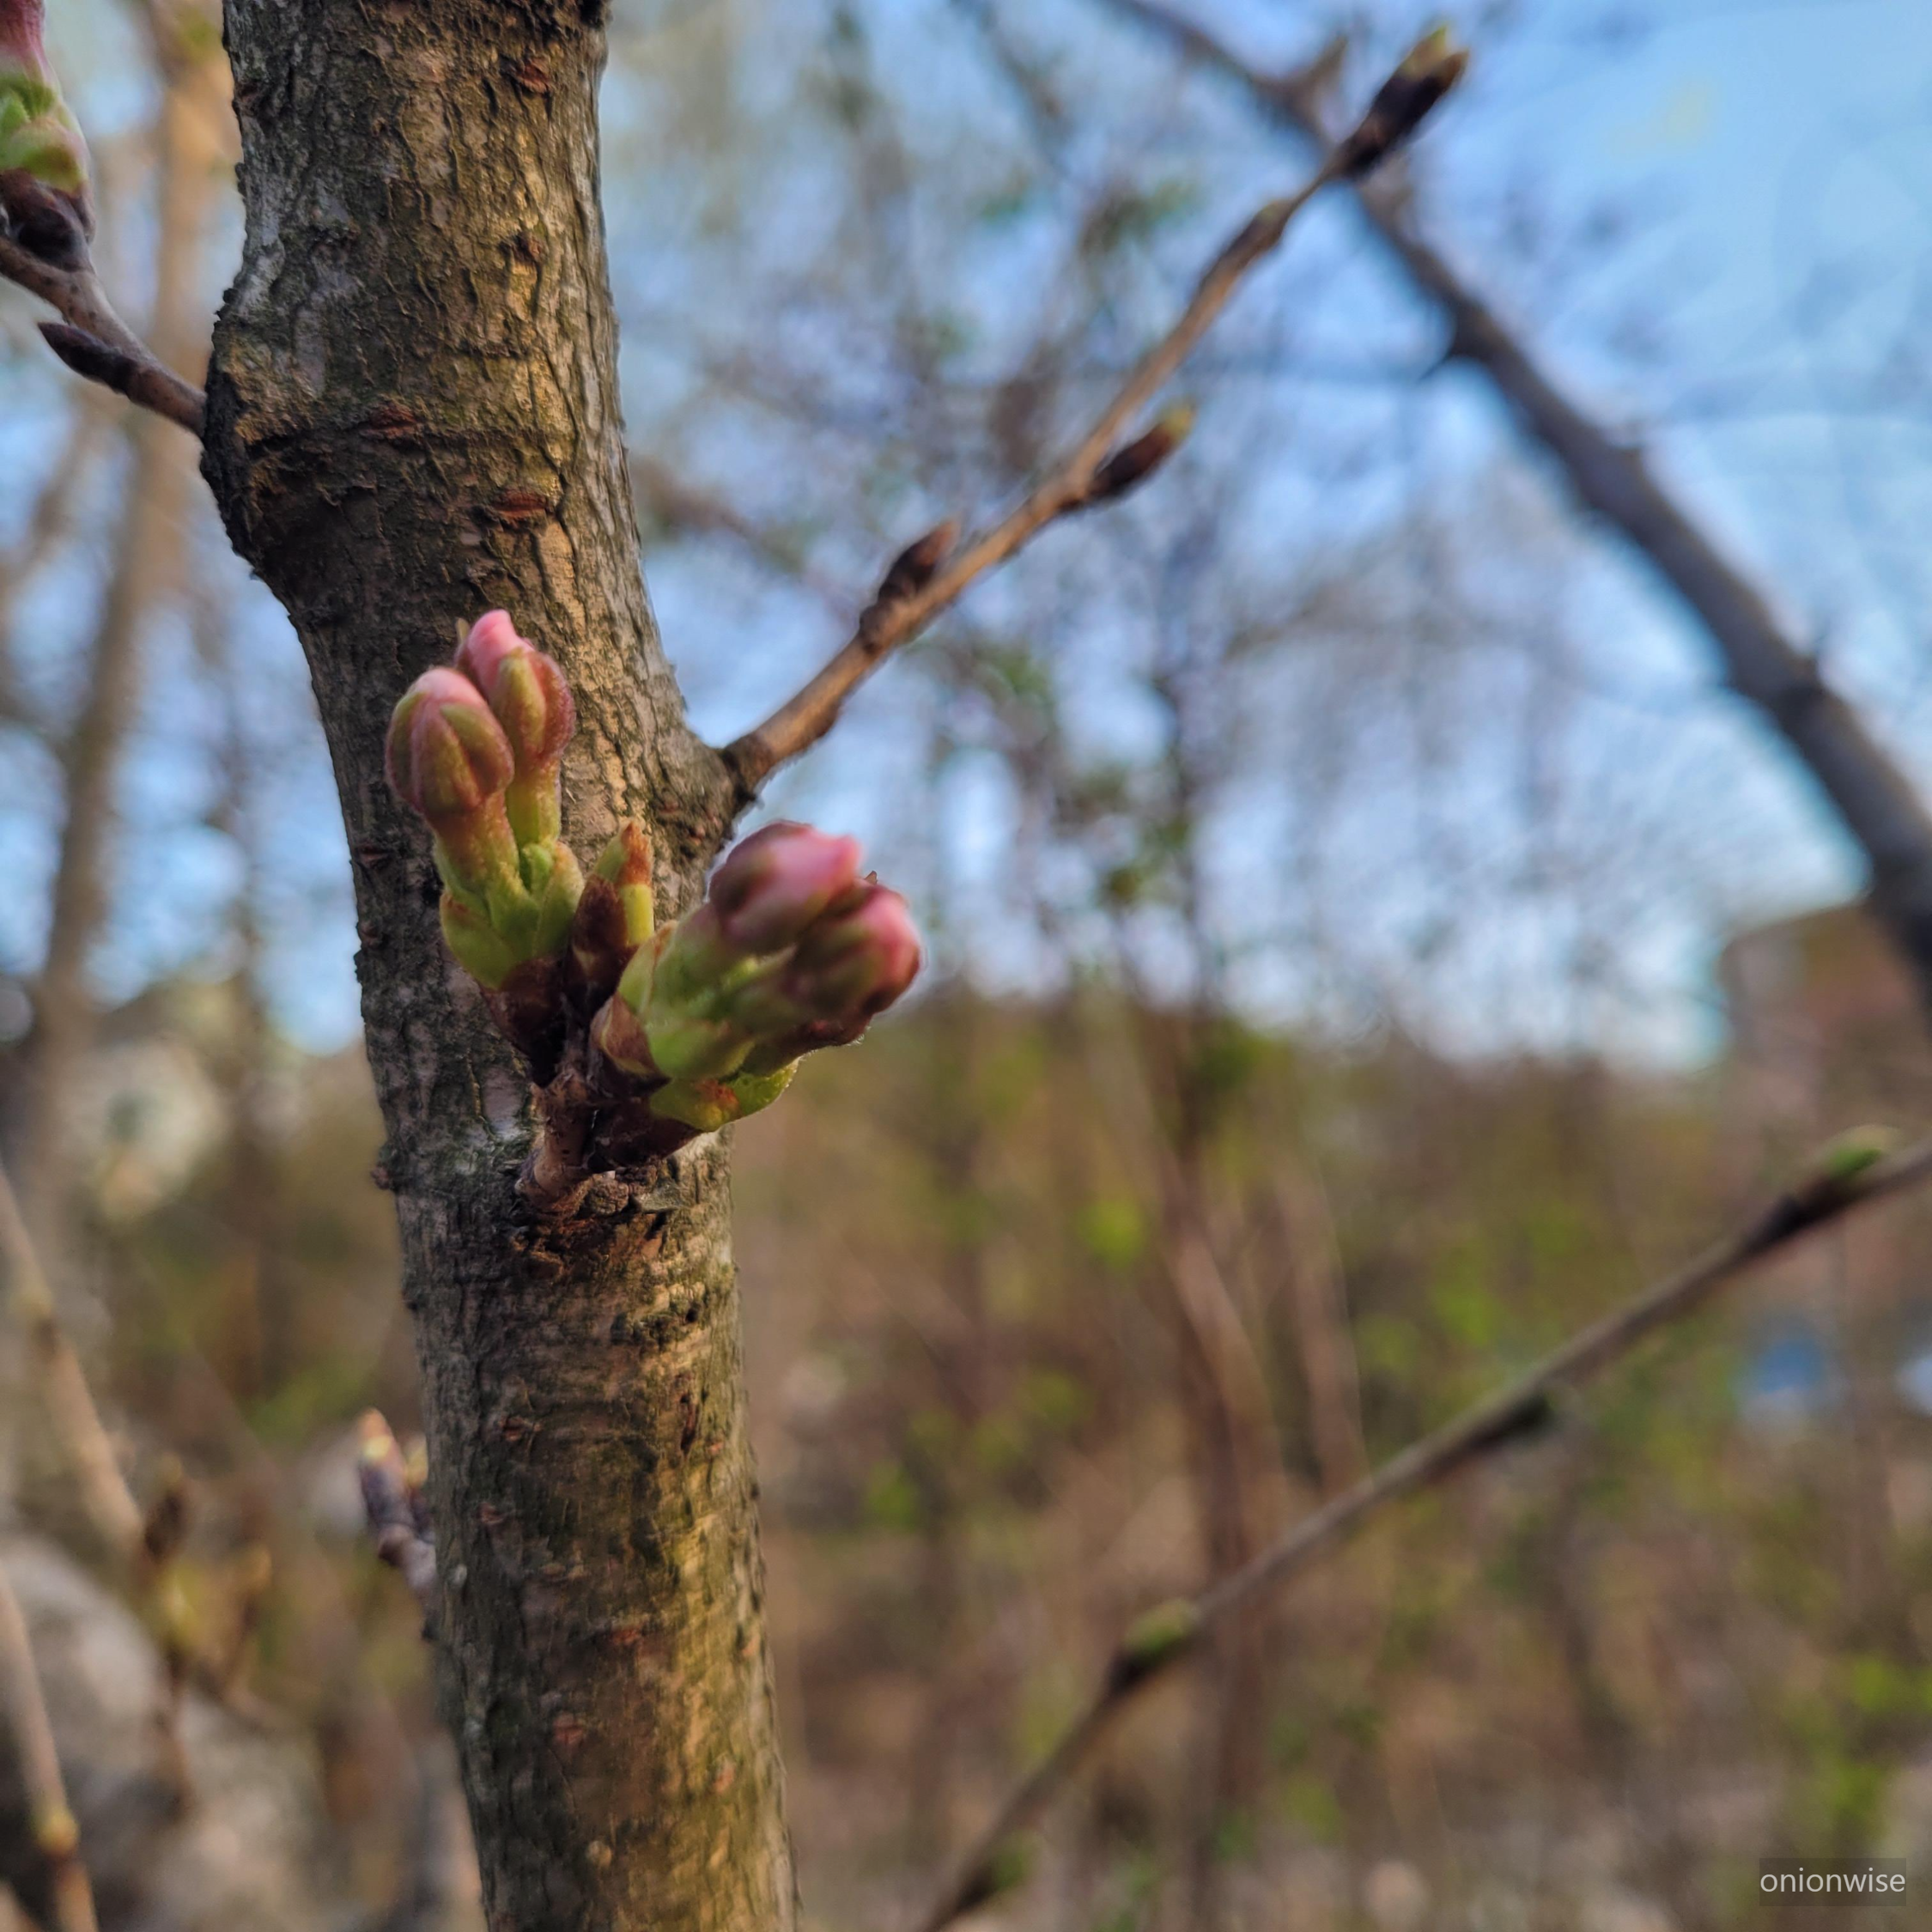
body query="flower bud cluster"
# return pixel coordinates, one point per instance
(476, 748)
(703, 1020)
(791, 949)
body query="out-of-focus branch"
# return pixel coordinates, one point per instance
(144, 568)
(143, 1543)
(922, 582)
(57, 1836)
(46, 225)
(398, 1519)
(117, 1518)
(46, 528)
(1850, 1175)
(1764, 661)
(93, 342)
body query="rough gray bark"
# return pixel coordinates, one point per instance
(412, 417)
(1876, 800)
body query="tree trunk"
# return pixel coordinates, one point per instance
(413, 415)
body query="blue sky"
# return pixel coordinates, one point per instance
(1713, 219)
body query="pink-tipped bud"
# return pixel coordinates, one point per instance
(446, 755)
(22, 43)
(526, 689)
(527, 692)
(44, 199)
(856, 961)
(774, 884)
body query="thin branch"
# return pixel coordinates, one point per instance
(117, 1518)
(56, 1836)
(145, 1543)
(94, 343)
(1851, 1176)
(1096, 470)
(399, 1517)
(1766, 661)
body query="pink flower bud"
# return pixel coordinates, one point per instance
(22, 49)
(44, 200)
(526, 688)
(859, 959)
(532, 702)
(773, 885)
(445, 754)
(852, 963)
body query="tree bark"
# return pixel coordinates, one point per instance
(413, 415)
(1877, 801)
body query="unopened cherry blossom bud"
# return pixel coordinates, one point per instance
(43, 160)
(854, 962)
(773, 885)
(527, 692)
(445, 753)
(789, 952)
(447, 758)
(615, 914)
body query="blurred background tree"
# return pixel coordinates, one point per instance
(1372, 941)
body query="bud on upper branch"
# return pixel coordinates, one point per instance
(1131, 465)
(43, 160)
(1430, 69)
(916, 566)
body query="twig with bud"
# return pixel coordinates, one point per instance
(46, 228)
(144, 1544)
(112, 1511)
(397, 1510)
(638, 1037)
(1852, 1173)
(929, 576)
(56, 1834)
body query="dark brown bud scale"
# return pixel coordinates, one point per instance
(916, 566)
(1131, 465)
(1404, 102)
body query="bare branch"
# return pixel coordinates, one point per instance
(95, 343)
(398, 1522)
(1850, 1175)
(117, 1518)
(1763, 660)
(1096, 470)
(57, 1836)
